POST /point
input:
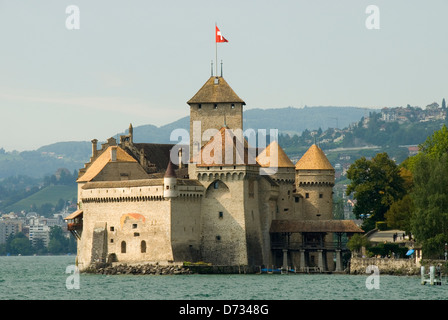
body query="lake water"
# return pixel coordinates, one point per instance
(45, 278)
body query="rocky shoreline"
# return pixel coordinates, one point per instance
(149, 269)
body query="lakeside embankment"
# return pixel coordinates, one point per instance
(157, 269)
(154, 269)
(385, 266)
(391, 266)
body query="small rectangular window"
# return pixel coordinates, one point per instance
(136, 234)
(221, 214)
(307, 195)
(296, 199)
(215, 106)
(321, 195)
(233, 106)
(134, 226)
(112, 228)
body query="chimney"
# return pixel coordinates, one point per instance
(94, 150)
(142, 157)
(131, 133)
(113, 153)
(179, 153)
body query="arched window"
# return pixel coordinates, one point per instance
(123, 246)
(143, 246)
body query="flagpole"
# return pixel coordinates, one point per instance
(216, 54)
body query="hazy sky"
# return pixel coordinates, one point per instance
(139, 61)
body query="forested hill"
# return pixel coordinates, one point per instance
(366, 137)
(287, 120)
(331, 127)
(72, 155)
(295, 121)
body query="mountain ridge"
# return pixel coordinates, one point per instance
(73, 154)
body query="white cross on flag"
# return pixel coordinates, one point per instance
(219, 37)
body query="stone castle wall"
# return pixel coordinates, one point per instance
(223, 223)
(137, 224)
(216, 118)
(317, 200)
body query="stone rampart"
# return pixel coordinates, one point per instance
(138, 269)
(385, 266)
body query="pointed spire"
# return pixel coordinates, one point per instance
(170, 171)
(220, 92)
(274, 150)
(314, 159)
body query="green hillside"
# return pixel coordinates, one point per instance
(50, 194)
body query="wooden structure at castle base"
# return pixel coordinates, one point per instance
(74, 223)
(309, 240)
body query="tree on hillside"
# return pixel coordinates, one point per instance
(19, 244)
(375, 185)
(430, 197)
(443, 104)
(59, 243)
(400, 212)
(429, 221)
(356, 243)
(436, 145)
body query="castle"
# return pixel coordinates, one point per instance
(171, 203)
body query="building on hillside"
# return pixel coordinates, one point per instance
(218, 200)
(9, 227)
(39, 233)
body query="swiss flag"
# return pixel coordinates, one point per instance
(219, 37)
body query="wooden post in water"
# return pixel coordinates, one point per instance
(431, 275)
(422, 274)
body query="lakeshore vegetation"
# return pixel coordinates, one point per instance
(411, 196)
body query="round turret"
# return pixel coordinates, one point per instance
(170, 182)
(314, 182)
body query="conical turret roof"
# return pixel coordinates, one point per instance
(170, 171)
(216, 90)
(273, 150)
(314, 159)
